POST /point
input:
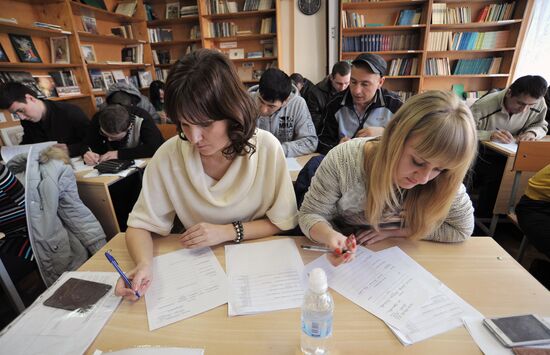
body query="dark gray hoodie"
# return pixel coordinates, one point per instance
(143, 103)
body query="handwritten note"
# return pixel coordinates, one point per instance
(185, 283)
(264, 276)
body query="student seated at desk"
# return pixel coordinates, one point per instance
(407, 185)
(284, 113)
(117, 132)
(223, 178)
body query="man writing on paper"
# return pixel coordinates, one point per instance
(45, 120)
(513, 114)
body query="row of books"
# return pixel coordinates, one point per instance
(124, 31)
(103, 80)
(441, 66)
(352, 19)
(257, 5)
(133, 53)
(408, 17)
(403, 66)
(157, 35)
(161, 74)
(221, 7)
(57, 83)
(161, 56)
(404, 95)
(50, 26)
(268, 25)
(443, 15)
(380, 42)
(222, 29)
(442, 41)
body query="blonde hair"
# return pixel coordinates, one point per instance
(447, 133)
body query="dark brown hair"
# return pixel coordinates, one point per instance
(203, 86)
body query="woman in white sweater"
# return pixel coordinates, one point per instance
(223, 178)
(408, 184)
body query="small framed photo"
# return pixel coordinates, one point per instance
(60, 50)
(25, 49)
(172, 10)
(108, 79)
(89, 53)
(89, 24)
(12, 135)
(3, 55)
(236, 53)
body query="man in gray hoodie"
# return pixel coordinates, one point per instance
(128, 95)
(284, 113)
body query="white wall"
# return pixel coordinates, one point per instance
(303, 41)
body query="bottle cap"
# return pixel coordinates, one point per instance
(318, 280)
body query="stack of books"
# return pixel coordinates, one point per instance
(50, 27)
(133, 54)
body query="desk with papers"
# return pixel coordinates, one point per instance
(479, 271)
(296, 164)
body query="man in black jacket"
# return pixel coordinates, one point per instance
(318, 97)
(363, 109)
(44, 120)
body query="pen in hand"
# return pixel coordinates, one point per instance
(322, 249)
(120, 272)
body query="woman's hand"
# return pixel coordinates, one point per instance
(206, 234)
(371, 236)
(344, 249)
(140, 277)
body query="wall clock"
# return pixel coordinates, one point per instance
(309, 7)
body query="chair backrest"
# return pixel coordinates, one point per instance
(530, 157)
(168, 130)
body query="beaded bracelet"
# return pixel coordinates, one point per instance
(239, 230)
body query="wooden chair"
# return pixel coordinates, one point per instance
(168, 130)
(530, 157)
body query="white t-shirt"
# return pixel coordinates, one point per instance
(253, 187)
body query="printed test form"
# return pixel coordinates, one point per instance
(185, 283)
(393, 287)
(264, 276)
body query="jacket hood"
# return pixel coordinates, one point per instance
(127, 88)
(18, 163)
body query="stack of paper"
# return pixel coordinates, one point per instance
(264, 276)
(393, 287)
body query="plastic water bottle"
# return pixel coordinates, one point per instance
(317, 311)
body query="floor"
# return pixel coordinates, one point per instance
(507, 235)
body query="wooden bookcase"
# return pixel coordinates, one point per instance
(381, 17)
(68, 14)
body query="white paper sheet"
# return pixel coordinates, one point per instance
(8, 152)
(44, 330)
(393, 287)
(293, 165)
(153, 350)
(185, 283)
(78, 165)
(512, 147)
(264, 276)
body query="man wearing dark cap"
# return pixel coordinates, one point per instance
(363, 109)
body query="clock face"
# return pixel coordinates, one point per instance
(309, 7)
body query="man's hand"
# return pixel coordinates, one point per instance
(527, 136)
(370, 132)
(110, 155)
(502, 136)
(91, 158)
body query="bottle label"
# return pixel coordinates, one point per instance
(319, 328)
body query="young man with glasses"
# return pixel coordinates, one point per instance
(45, 120)
(119, 132)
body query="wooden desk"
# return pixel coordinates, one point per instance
(302, 160)
(503, 196)
(479, 271)
(96, 193)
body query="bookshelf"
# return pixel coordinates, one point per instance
(247, 31)
(471, 44)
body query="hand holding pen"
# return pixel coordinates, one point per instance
(502, 136)
(124, 286)
(341, 251)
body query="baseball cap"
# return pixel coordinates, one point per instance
(376, 63)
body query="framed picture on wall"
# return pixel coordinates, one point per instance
(88, 53)
(60, 50)
(172, 10)
(12, 135)
(3, 55)
(24, 48)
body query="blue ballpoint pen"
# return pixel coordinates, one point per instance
(113, 261)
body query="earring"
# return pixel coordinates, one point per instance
(182, 136)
